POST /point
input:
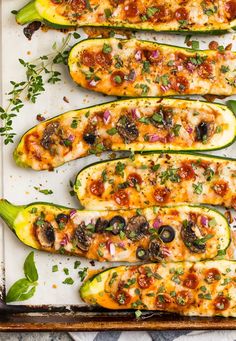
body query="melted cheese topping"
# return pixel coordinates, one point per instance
(151, 15)
(193, 289)
(161, 124)
(141, 68)
(159, 179)
(110, 236)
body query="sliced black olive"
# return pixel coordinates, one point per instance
(137, 227)
(81, 238)
(190, 239)
(127, 129)
(166, 233)
(89, 138)
(202, 131)
(117, 224)
(62, 220)
(45, 233)
(162, 117)
(141, 253)
(46, 140)
(154, 251)
(101, 225)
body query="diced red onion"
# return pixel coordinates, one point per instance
(180, 67)
(135, 114)
(121, 245)
(165, 87)
(165, 251)
(190, 67)
(72, 213)
(155, 138)
(204, 221)
(106, 116)
(138, 55)
(93, 82)
(189, 130)
(156, 223)
(64, 241)
(155, 54)
(111, 248)
(71, 138)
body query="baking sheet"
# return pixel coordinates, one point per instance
(17, 185)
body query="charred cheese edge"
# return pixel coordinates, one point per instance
(194, 16)
(193, 289)
(141, 124)
(142, 68)
(158, 179)
(154, 234)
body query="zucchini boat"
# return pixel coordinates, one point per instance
(178, 16)
(142, 68)
(158, 179)
(194, 289)
(141, 124)
(169, 233)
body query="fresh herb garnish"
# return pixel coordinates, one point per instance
(24, 288)
(35, 72)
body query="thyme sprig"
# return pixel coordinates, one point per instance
(37, 72)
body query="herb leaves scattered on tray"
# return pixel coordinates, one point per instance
(38, 72)
(24, 288)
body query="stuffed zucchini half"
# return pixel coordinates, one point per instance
(137, 124)
(142, 68)
(170, 233)
(158, 179)
(194, 289)
(188, 16)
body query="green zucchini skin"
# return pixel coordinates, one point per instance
(37, 226)
(41, 10)
(184, 288)
(161, 180)
(182, 110)
(174, 70)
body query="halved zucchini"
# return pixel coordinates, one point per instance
(158, 179)
(169, 233)
(141, 124)
(194, 16)
(194, 289)
(142, 68)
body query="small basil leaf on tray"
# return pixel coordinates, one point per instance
(24, 288)
(30, 270)
(20, 291)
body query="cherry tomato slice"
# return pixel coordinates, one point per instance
(191, 281)
(97, 188)
(121, 197)
(144, 281)
(220, 188)
(212, 275)
(221, 303)
(134, 179)
(162, 195)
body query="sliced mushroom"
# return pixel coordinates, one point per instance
(47, 140)
(154, 250)
(162, 117)
(117, 224)
(45, 233)
(190, 238)
(127, 129)
(137, 227)
(101, 225)
(81, 238)
(203, 131)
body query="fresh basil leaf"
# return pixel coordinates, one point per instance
(28, 295)
(18, 289)
(30, 270)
